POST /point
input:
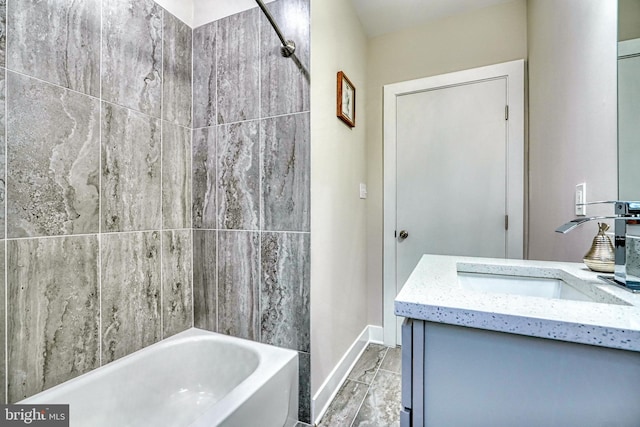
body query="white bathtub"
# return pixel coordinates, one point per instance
(196, 378)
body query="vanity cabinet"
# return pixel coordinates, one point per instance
(462, 376)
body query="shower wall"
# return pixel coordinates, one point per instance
(96, 249)
(251, 181)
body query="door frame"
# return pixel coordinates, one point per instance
(513, 71)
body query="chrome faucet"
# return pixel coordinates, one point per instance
(625, 213)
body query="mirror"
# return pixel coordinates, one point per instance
(628, 99)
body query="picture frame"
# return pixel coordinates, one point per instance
(346, 102)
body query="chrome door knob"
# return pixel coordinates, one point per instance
(404, 234)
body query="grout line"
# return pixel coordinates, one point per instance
(369, 387)
(162, 82)
(100, 68)
(190, 220)
(254, 119)
(260, 207)
(216, 203)
(101, 233)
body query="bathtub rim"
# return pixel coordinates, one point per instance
(271, 360)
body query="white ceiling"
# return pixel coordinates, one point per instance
(386, 16)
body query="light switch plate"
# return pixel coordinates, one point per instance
(363, 191)
(581, 197)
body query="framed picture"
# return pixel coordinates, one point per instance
(346, 100)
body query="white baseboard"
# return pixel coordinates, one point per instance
(330, 387)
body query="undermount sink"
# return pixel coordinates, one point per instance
(544, 287)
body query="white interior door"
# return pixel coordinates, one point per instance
(454, 171)
(451, 176)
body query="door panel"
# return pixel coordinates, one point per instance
(451, 173)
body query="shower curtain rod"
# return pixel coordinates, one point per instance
(288, 46)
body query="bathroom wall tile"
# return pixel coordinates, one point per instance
(344, 406)
(204, 75)
(130, 293)
(177, 289)
(285, 81)
(633, 256)
(238, 62)
(176, 176)
(238, 264)
(3, 32)
(285, 143)
(365, 368)
(304, 391)
(205, 295)
(3, 151)
(53, 312)
(132, 54)
(381, 406)
(3, 326)
(238, 181)
(131, 198)
(176, 55)
(53, 139)
(204, 178)
(56, 41)
(284, 290)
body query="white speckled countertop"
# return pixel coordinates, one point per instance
(433, 293)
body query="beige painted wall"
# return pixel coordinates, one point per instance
(338, 165)
(628, 19)
(572, 119)
(483, 37)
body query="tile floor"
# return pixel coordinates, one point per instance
(370, 397)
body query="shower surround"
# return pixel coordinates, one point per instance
(251, 163)
(125, 216)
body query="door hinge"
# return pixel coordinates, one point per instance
(506, 112)
(506, 222)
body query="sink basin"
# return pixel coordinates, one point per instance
(526, 286)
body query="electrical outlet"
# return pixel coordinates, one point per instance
(581, 198)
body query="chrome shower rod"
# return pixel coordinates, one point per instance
(288, 46)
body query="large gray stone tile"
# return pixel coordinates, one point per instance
(131, 198)
(285, 81)
(56, 41)
(53, 312)
(344, 407)
(3, 326)
(176, 176)
(284, 290)
(132, 54)
(285, 143)
(381, 406)
(238, 176)
(177, 289)
(204, 75)
(205, 290)
(3, 32)
(238, 66)
(3, 151)
(304, 390)
(130, 293)
(238, 295)
(204, 178)
(366, 367)
(392, 360)
(53, 159)
(176, 57)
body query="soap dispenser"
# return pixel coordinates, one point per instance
(601, 256)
